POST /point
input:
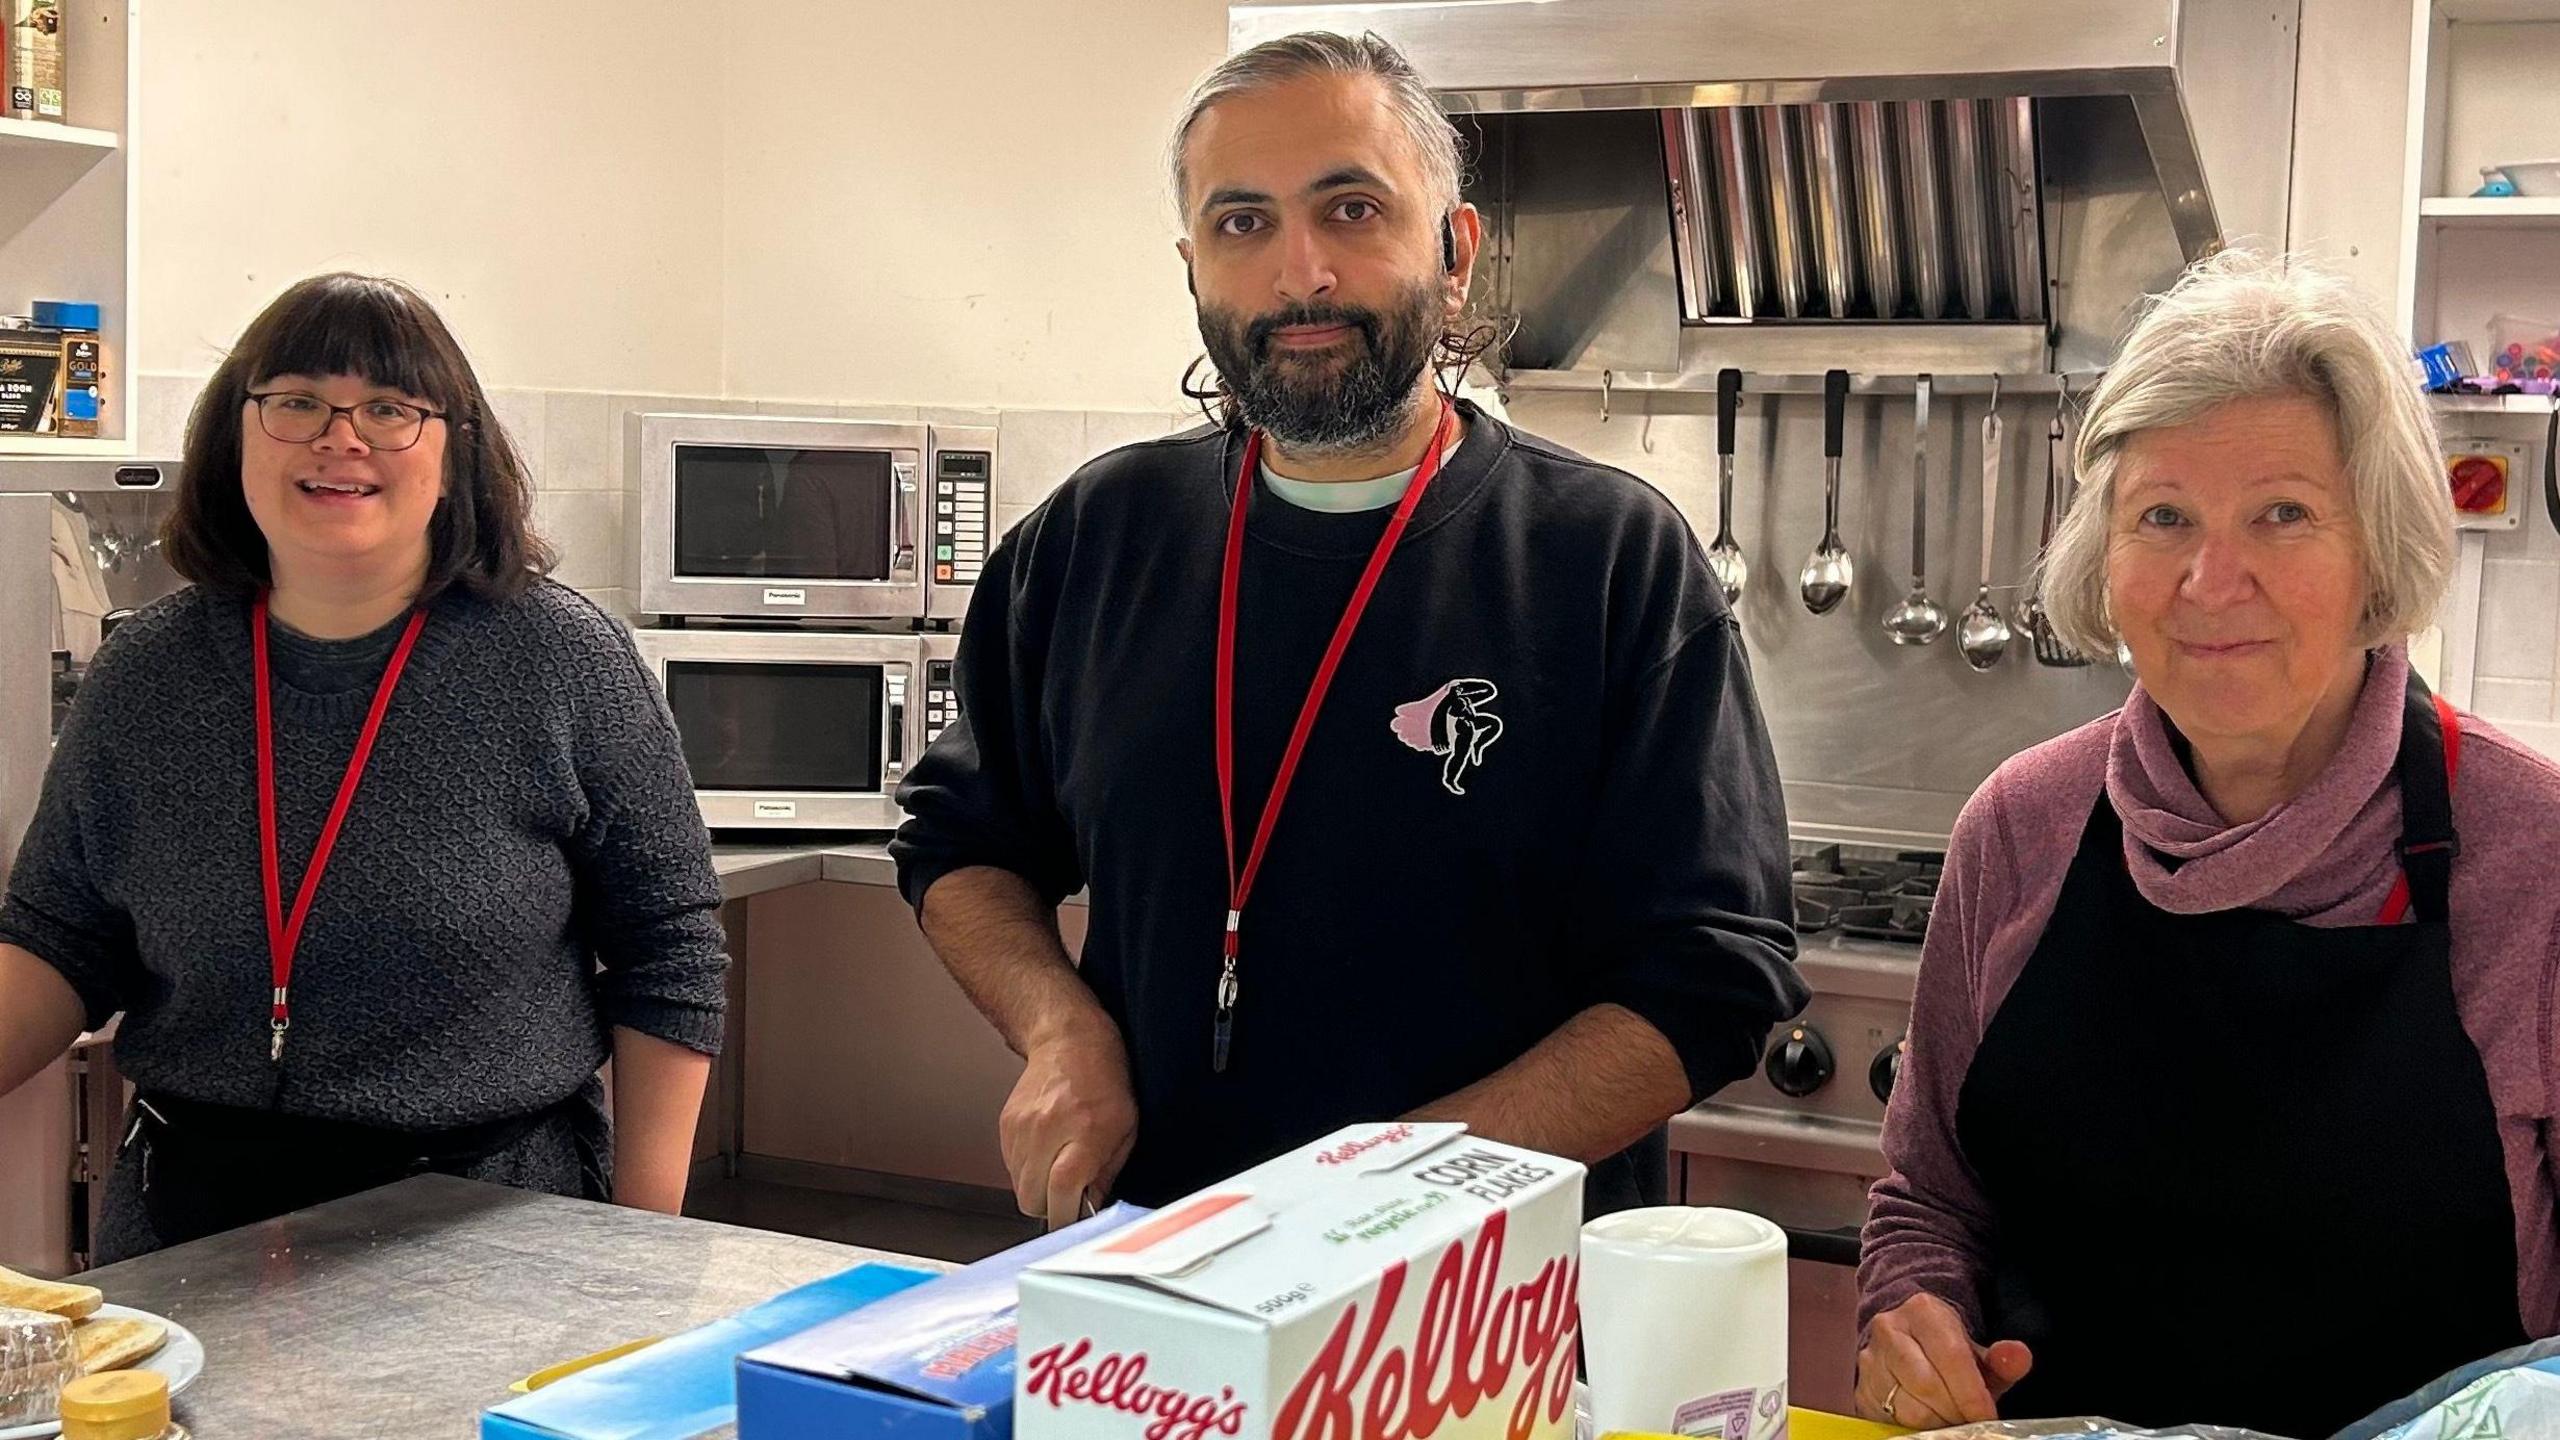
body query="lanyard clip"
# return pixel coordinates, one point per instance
(1223, 1028)
(275, 1050)
(1227, 967)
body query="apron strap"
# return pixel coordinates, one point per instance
(2430, 757)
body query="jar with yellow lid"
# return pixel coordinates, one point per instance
(119, 1405)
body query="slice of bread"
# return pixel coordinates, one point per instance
(53, 1297)
(116, 1343)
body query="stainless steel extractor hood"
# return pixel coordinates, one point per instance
(1986, 186)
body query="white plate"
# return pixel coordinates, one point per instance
(181, 1359)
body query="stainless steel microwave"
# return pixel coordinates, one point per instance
(809, 518)
(794, 729)
(941, 701)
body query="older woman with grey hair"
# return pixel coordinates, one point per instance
(2231, 1068)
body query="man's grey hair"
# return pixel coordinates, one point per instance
(1321, 52)
(2243, 325)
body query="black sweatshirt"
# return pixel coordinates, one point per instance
(1540, 783)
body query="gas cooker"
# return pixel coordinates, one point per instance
(1860, 916)
(1881, 895)
(1817, 1100)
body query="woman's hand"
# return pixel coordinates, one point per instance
(1922, 1371)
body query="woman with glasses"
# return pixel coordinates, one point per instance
(380, 841)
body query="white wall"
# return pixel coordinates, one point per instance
(950, 204)
(958, 203)
(547, 173)
(2351, 121)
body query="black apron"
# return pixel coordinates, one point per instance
(2242, 1171)
(200, 1169)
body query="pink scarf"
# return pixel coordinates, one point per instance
(2307, 858)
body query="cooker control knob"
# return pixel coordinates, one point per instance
(1887, 1068)
(1801, 1062)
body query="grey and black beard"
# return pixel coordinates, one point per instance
(1322, 404)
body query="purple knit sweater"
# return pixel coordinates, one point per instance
(2324, 858)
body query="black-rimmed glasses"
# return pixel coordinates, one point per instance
(297, 418)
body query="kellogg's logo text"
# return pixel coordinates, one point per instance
(1470, 1339)
(1116, 1382)
(1350, 1150)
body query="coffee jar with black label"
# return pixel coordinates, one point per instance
(30, 379)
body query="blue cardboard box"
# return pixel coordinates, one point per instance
(685, 1384)
(931, 1363)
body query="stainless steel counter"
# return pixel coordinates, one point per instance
(752, 869)
(407, 1310)
(746, 870)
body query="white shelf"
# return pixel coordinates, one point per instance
(45, 136)
(2516, 211)
(2499, 12)
(31, 447)
(2491, 404)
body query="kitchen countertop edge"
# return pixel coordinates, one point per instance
(752, 868)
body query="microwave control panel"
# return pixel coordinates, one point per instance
(941, 700)
(963, 482)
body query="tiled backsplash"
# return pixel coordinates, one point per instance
(571, 441)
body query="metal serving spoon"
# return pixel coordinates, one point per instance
(1829, 573)
(1918, 619)
(1724, 557)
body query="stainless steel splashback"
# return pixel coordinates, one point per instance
(1674, 186)
(1877, 744)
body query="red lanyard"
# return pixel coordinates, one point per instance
(2449, 724)
(1240, 882)
(283, 934)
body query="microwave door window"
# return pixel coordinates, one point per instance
(834, 517)
(753, 513)
(749, 726)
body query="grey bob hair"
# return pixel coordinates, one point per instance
(1322, 52)
(2243, 325)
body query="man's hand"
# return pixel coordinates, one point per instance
(1920, 1370)
(1068, 1125)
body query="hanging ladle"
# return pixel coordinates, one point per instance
(2043, 641)
(1829, 573)
(1918, 619)
(1724, 557)
(1984, 635)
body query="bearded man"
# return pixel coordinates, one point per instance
(1411, 764)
